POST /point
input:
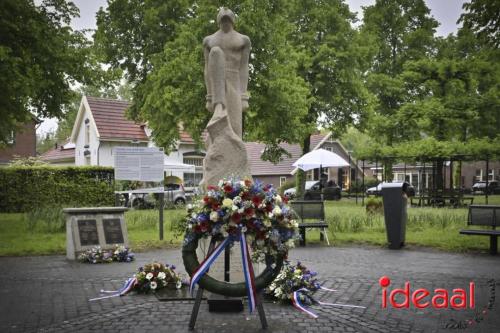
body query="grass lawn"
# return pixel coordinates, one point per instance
(349, 223)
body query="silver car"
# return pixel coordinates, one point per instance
(148, 197)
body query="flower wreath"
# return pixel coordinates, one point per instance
(240, 211)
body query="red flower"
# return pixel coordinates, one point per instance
(236, 217)
(245, 195)
(197, 228)
(285, 200)
(215, 206)
(212, 187)
(267, 187)
(249, 212)
(269, 208)
(206, 199)
(228, 188)
(256, 201)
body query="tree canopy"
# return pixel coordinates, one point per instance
(40, 58)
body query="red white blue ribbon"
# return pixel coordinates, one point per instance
(205, 265)
(128, 286)
(301, 307)
(249, 273)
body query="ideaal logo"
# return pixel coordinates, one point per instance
(458, 298)
(422, 298)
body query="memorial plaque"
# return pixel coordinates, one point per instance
(87, 229)
(113, 233)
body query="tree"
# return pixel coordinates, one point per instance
(40, 58)
(483, 18)
(401, 31)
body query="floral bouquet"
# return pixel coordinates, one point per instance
(156, 276)
(97, 255)
(235, 207)
(291, 279)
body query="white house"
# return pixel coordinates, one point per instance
(101, 125)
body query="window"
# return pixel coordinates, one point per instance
(11, 139)
(479, 175)
(193, 160)
(87, 134)
(491, 174)
(310, 175)
(329, 148)
(192, 179)
(282, 180)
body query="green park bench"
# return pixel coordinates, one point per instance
(484, 215)
(311, 215)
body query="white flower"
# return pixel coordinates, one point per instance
(193, 215)
(178, 285)
(244, 229)
(221, 182)
(149, 276)
(237, 200)
(242, 183)
(278, 199)
(290, 243)
(235, 208)
(241, 210)
(153, 285)
(162, 275)
(277, 211)
(295, 224)
(189, 206)
(225, 234)
(214, 216)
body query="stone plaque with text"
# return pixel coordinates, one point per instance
(112, 231)
(87, 230)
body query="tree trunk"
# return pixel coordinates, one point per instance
(301, 175)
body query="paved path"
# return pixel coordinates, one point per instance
(50, 294)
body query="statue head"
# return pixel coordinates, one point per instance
(225, 19)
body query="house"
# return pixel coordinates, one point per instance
(101, 125)
(22, 142)
(277, 174)
(60, 155)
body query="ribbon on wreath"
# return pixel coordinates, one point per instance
(296, 302)
(247, 269)
(128, 286)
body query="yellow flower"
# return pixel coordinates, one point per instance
(227, 202)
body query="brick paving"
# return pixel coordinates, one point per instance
(50, 294)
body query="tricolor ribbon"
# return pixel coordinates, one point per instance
(128, 286)
(249, 273)
(247, 269)
(205, 265)
(301, 307)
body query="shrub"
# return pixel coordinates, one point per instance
(23, 189)
(374, 206)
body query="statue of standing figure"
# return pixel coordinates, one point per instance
(226, 78)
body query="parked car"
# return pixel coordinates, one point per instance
(148, 197)
(480, 187)
(377, 190)
(331, 191)
(312, 191)
(291, 192)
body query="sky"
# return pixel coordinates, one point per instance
(446, 12)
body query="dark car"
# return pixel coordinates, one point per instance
(331, 191)
(493, 187)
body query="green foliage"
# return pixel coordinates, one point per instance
(24, 188)
(482, 17)
(374, 205)
(286, 185)
(48, 219)
(40, 58)
(26, 161)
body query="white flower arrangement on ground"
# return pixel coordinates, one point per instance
(155, 276)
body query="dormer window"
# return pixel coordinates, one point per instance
(87, 134)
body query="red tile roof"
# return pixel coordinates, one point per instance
(186, 138)
(58, 154)
(259, 167)
(111, 122)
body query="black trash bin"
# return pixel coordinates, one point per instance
(395, 201)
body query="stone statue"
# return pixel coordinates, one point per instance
(226, 77)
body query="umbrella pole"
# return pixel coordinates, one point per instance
(320, 181)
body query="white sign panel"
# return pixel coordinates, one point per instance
(139, 163)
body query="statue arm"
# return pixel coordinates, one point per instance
(206, 52)
(244, 72)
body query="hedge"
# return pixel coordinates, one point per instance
(25, 188)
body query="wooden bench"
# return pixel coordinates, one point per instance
(311, 210)
(487, 215)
